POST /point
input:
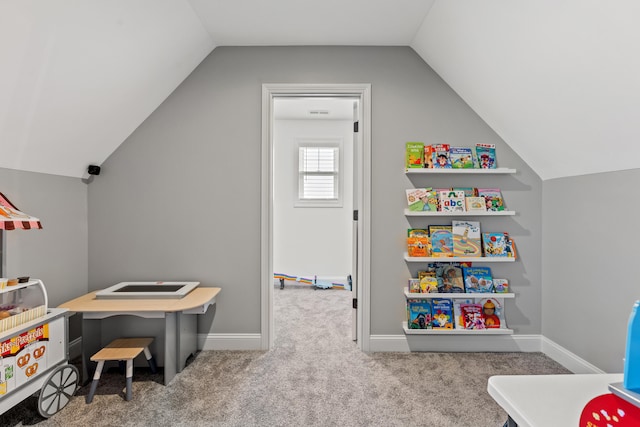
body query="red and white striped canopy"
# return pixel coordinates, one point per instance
(11, 218)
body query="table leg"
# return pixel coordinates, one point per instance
(171, 340)
(91, 343)
(187, 338)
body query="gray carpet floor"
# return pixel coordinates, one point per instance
(314, 376)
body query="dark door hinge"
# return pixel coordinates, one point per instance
(355, 215)
(355, 303)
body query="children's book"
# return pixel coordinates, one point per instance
(492, 313)
(423, 284)
(451, 281)
(448, 275)
(437, 193)
(486, 156)
(501, 286)
(441, 239)
(511, 248)
(440, 156)
(421, 199)
(414, 154)
(414, 286)
(477, 279)
(467, 240)
(442, 313)
(457, 313)
(461, 158)
(417, 242)
(476, 204)
(472, 316)
(419, 313)
(428, 157)
(468, 191)
(496, 244)
(493, 198)
(428, 284)
(452, 201)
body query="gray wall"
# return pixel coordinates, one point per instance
(57, 254)
(590, 251)
(165, 206)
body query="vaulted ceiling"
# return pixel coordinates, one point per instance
(559, 81)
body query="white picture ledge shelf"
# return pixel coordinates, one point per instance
(408, 258)
(461, 295)
(462, 171)
(408, 212)
(497, 331)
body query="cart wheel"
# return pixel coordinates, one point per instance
(57, 390)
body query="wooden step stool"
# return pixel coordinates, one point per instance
(122, 349)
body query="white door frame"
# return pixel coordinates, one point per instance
(363, 92)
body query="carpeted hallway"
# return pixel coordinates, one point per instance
(315, 376)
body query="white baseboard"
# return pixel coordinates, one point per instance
(402, 343)
(229, 341)
(567, 359)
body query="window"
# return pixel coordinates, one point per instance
(319, 180)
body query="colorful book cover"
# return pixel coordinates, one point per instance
(428, 157)
(511, 248)
(457, 313)
(419, 313)
(418, 242)
(461, 158)
(467, 241)
(486, 156)
(440, 156)
(452, 201)
(448, 275)
(417, 199)
(476, 204)
(414, 154)
(472, 316)
(428, 284)
(501, 286)
(442, 313)
(492, 313)
(437, 192)
(441, 239)
(468, 191)
(414, 286)
(477, 279)
(449, 279)
(493, 198)
(422, 199)
(496, 244)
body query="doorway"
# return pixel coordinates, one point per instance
(361, 200)
(313, 174)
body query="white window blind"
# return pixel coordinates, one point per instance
(318, 168)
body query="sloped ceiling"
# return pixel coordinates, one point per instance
(559, 81)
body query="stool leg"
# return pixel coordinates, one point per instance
(94, 383)
(150, 360)
(128, 396)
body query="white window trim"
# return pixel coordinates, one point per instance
(318, 142)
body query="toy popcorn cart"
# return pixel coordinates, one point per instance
(33, 337)
(33, 345)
